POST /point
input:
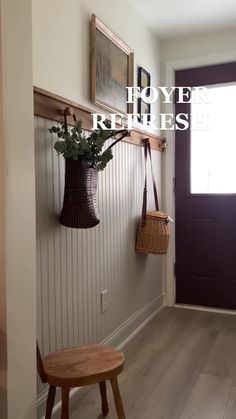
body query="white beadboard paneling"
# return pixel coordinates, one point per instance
(74, 266)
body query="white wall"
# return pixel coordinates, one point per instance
(201, 45)
(19, 175)
(61, 43)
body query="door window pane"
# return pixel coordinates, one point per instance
(213, 150)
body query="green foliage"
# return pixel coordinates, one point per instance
(73, 144)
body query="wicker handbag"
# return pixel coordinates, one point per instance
(154, 229)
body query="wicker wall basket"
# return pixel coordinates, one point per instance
(154, 229)
(80, 209)
(153, 235)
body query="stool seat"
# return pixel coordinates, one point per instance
(80, 366)
(83, 365)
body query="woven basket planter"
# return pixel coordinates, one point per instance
(80, 209)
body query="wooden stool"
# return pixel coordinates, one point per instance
(81, 366)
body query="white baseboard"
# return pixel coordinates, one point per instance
(208, 309)
(119, 338)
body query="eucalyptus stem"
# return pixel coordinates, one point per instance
(73, 144)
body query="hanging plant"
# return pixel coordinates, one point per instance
(84, 157)
(73, 144)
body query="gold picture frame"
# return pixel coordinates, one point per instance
(112, 69)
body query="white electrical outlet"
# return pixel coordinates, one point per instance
(104, 301)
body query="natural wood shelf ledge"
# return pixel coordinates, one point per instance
(51, 106)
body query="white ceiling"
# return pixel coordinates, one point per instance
(179, 17)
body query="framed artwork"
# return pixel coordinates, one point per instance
(144, 79)
(143, 108)
(112, 68)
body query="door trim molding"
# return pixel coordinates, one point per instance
(169, 163)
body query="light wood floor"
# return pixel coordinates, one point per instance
(182, 365)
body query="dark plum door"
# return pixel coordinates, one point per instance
(205, 165)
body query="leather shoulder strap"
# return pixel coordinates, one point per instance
(147, 150)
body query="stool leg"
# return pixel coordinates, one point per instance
(50, 402)
(117, 398)
(103, 391)
(65, 391)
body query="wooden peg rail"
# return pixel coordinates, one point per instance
(50, 106)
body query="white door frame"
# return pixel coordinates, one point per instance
(169, 161)
(19, 276)
(3, 319)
